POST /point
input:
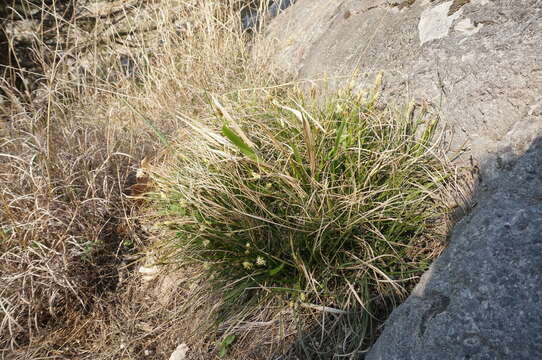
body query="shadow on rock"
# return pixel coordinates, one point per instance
(481, 298)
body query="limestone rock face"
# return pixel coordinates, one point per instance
(479, 62)
(481, 299)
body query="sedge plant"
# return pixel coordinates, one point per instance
(324, 204)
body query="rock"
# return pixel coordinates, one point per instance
(149, 271)
(481, 299)
(476, 61)
(179, 353)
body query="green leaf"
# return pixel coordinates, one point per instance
(338, 139)
(224, 344)
(228, 340)
(276, 270)
(237, 141)
(178, 209)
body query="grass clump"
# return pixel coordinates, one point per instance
(329, 205)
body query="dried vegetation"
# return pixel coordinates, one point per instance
(76, 80)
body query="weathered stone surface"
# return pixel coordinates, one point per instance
(479, 62)
(482, 298)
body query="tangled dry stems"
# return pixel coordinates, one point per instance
(71, 140)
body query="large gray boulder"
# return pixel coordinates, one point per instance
(479, 62)
(482, 298)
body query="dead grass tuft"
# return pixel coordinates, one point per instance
(65, 226)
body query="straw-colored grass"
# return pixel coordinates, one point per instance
(71, 139)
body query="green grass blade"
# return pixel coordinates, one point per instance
(238, 142)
